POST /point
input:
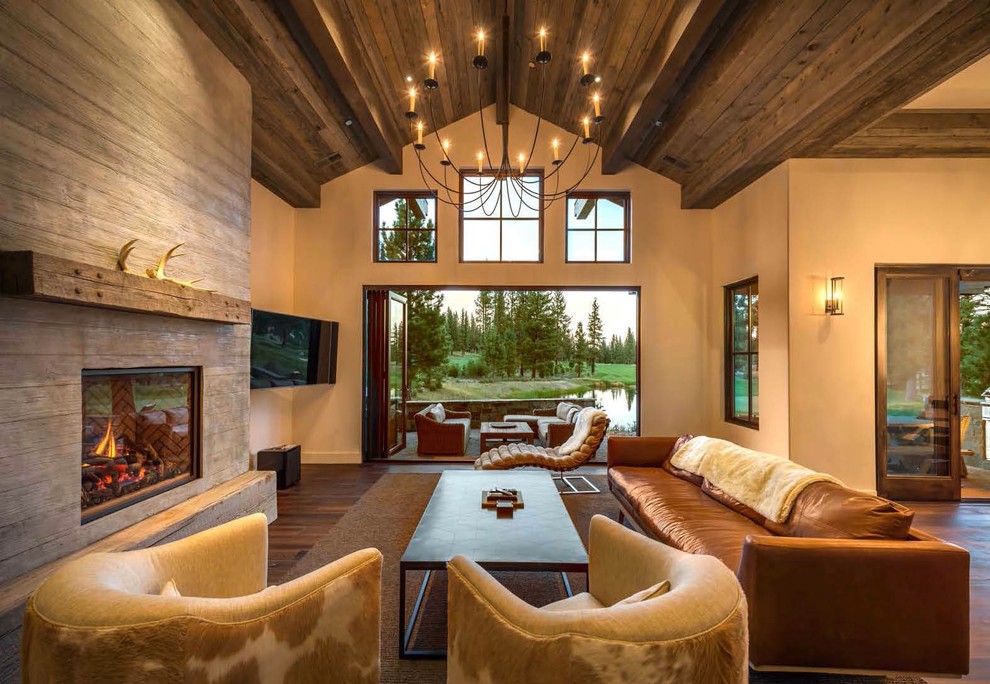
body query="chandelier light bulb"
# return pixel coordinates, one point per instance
(481, 158)
(585, 59)
(597, 99)
(522, 163)
(419, 131)
(543, 39)
(587, 128)
(433, 65)
(481, 43)
(446, 144)
(555, 143)
(412, 99)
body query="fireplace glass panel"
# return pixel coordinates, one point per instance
(139, 435)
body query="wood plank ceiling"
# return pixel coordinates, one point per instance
(710, 93)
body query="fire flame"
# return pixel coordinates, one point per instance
(108, 445)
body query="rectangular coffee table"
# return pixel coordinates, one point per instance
(519, 432)
(539, 537)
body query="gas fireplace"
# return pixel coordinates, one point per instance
(140, 435)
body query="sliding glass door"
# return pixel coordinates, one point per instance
(917, 335)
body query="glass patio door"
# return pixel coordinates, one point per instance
(385, 374)
(397, 372)
(917, 384)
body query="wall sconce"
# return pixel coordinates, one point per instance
(833, 296)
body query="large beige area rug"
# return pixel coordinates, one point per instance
(385, 518)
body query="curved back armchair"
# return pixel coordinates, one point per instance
(104, 617)
(695, 632)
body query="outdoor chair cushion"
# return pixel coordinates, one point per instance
(542, 426)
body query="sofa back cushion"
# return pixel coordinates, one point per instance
(825, 509)
(438, 412)
(679, 472)
(564, 409)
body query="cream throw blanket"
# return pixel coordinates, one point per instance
(766, 483)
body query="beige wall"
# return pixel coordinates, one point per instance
(670, 248)
(749, 238)
(273, 239)
(846, 216)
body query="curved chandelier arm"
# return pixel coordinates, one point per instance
(482, 195)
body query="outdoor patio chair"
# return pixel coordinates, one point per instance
(581, 447)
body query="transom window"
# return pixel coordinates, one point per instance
(742, 359)
(405, 226)
(598, 227)
(502, 218)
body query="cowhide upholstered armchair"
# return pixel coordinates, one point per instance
(652, 614)
(589, 432)
(198, 610)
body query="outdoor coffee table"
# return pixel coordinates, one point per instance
(539, 537)
(519, 432)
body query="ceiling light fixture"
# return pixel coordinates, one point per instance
(471, 188)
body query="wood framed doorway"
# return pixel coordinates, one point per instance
(922, 415)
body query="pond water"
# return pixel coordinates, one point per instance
(620, 403)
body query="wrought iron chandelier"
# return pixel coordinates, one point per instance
(472, 190)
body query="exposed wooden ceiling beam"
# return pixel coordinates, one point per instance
(686, 33)
(921, 133)
(887, 56)
(328, 28)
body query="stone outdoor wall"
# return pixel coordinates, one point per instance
(489, 409)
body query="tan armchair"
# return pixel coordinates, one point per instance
(696, 632)
(104, 618)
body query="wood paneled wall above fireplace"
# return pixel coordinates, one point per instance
(121, 121)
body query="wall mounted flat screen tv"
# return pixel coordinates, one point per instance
(287, 351)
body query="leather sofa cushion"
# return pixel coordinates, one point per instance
(827, 510)
(679, 514)
(732, 503)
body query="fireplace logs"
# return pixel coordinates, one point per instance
(128, 453)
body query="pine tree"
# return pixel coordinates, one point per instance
(429, 339)
(580, 350)
(596, 338)
(465, 330)
(629, 345)
(420, 234)
(562, 329)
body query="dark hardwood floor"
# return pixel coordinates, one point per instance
(307, 511)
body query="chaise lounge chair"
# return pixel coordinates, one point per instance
(581, 447)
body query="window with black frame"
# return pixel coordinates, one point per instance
(405, 226)
(742, 359)
(597, 227)
(502, 217)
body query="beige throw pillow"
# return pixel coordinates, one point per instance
(658, 589)
(170, 589)
(439, 413)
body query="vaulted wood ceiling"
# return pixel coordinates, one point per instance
(710, 93)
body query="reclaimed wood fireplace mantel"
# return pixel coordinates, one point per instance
(38, 276)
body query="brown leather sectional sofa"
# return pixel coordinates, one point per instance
(844, 584)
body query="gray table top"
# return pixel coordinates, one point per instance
(539, 536)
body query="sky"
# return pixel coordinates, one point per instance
(618, 307)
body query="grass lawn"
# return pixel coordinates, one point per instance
(606, 375)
